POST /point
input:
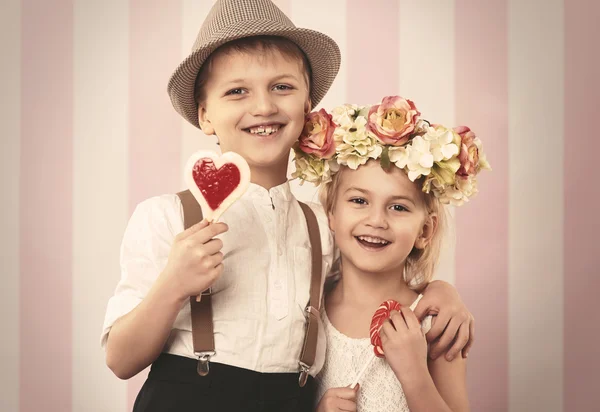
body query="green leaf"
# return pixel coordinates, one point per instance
(385, 159)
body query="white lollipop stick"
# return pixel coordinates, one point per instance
(362, 371)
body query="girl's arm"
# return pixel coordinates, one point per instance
(434, 386)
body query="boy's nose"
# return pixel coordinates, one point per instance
(263, 105)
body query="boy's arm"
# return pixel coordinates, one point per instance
(453, 323)
(141, 314)
(136, 339)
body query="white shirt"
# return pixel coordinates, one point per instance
(380, 389)
(259, 300)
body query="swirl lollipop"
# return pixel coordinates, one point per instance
(379, 317)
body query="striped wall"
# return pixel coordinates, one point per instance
(87, 131)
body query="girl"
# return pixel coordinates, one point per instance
(384, 185)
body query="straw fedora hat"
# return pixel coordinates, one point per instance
(234, 19)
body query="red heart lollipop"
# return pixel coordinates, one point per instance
(216, 181)
(381, 315)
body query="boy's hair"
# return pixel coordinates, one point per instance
(420, 263)
(264, 44)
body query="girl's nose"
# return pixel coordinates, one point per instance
(377, 218)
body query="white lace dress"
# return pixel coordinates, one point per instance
(380, 390)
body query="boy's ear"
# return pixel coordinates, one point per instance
(205, 124)
(307, 106)
(429, 228)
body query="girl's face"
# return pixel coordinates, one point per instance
(255, 104)
(378, 217)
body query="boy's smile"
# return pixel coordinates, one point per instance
(255, 104)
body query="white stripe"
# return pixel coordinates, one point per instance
(10, 131)
(536, 107)
(101, 59)
(427, 70)
(192, 139)
(330, 20)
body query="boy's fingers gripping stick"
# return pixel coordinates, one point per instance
(379, 317)
(216, 181)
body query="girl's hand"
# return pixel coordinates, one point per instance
(454, 327)
(195, 260)
(338, 399)
(404, 344)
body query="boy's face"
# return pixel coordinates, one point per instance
(378, 217)
(256, 105)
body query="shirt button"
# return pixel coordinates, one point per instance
(280, 252)
(278, 285)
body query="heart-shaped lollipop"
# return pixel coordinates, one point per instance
(216, 181)
(382, 314)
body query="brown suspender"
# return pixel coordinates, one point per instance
(202, 320)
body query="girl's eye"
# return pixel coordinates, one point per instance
(399, 208)
(234, 91)
(358, 200)
(282, 87)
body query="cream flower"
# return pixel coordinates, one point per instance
(312, 169)
(420, 159)
(344, 115)
(444, 142)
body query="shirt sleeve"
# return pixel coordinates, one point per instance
(144, 252)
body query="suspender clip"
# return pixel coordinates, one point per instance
(203, 362)
(303, 374)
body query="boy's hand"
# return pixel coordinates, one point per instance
(338, 399)
(454, 326)
(404, 344)
(195, 259)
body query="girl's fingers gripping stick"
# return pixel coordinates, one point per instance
(216, 182)
(379, 317)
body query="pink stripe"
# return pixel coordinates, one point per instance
(372, 51)
(46, 205)
(582, 197)
(155, 127)
(482, 226)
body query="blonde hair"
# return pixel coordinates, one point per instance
(253, 44)
(420, 263)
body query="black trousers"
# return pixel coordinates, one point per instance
(173, 385)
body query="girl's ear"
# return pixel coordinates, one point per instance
(331, 220)
(205, 124)
(427, 231)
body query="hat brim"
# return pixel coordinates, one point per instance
(322, 52)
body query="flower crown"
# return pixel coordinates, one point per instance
(393, 132)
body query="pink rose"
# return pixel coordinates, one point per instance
(469, 153)
(317, 135)
(393, 120)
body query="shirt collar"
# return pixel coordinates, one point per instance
(281, 192)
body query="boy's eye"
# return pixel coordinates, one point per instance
(358, 200)
(283, 87)
(235, 91)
